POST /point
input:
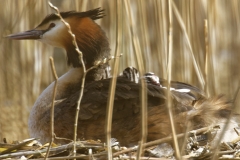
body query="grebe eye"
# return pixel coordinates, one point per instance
(51, 25)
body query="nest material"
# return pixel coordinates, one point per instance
(197, 145)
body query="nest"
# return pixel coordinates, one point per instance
(197, 144)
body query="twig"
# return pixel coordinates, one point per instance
(98, 146)
(235, 129)
(77, 157)
(169, 75)
(142, 158)
(84, 73)
(156, 142)
(16, 147)
(166, 139)
(143, 97)
(103, 154)
(52, 150)
(52, 105)
(125, 157)
(83, 78)
(227, 146)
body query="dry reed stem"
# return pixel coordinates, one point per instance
(83, 78)
(169, 75)
(144, 30)
(52, 105)
(181, 23)
(84, 74)
(110, 102)
(206, 88)
(143, 94)
(162, 31)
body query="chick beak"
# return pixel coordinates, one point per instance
(31, 34)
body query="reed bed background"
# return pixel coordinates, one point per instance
(211, 26)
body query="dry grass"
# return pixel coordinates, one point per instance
(25, 69)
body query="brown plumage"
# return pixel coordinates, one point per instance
(93, 43)
(126, 113)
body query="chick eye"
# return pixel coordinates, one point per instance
(51, 25)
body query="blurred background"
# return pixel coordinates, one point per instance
(211, 27)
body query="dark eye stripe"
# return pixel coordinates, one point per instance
(50, 27)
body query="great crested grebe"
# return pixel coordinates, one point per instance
(92, 41)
